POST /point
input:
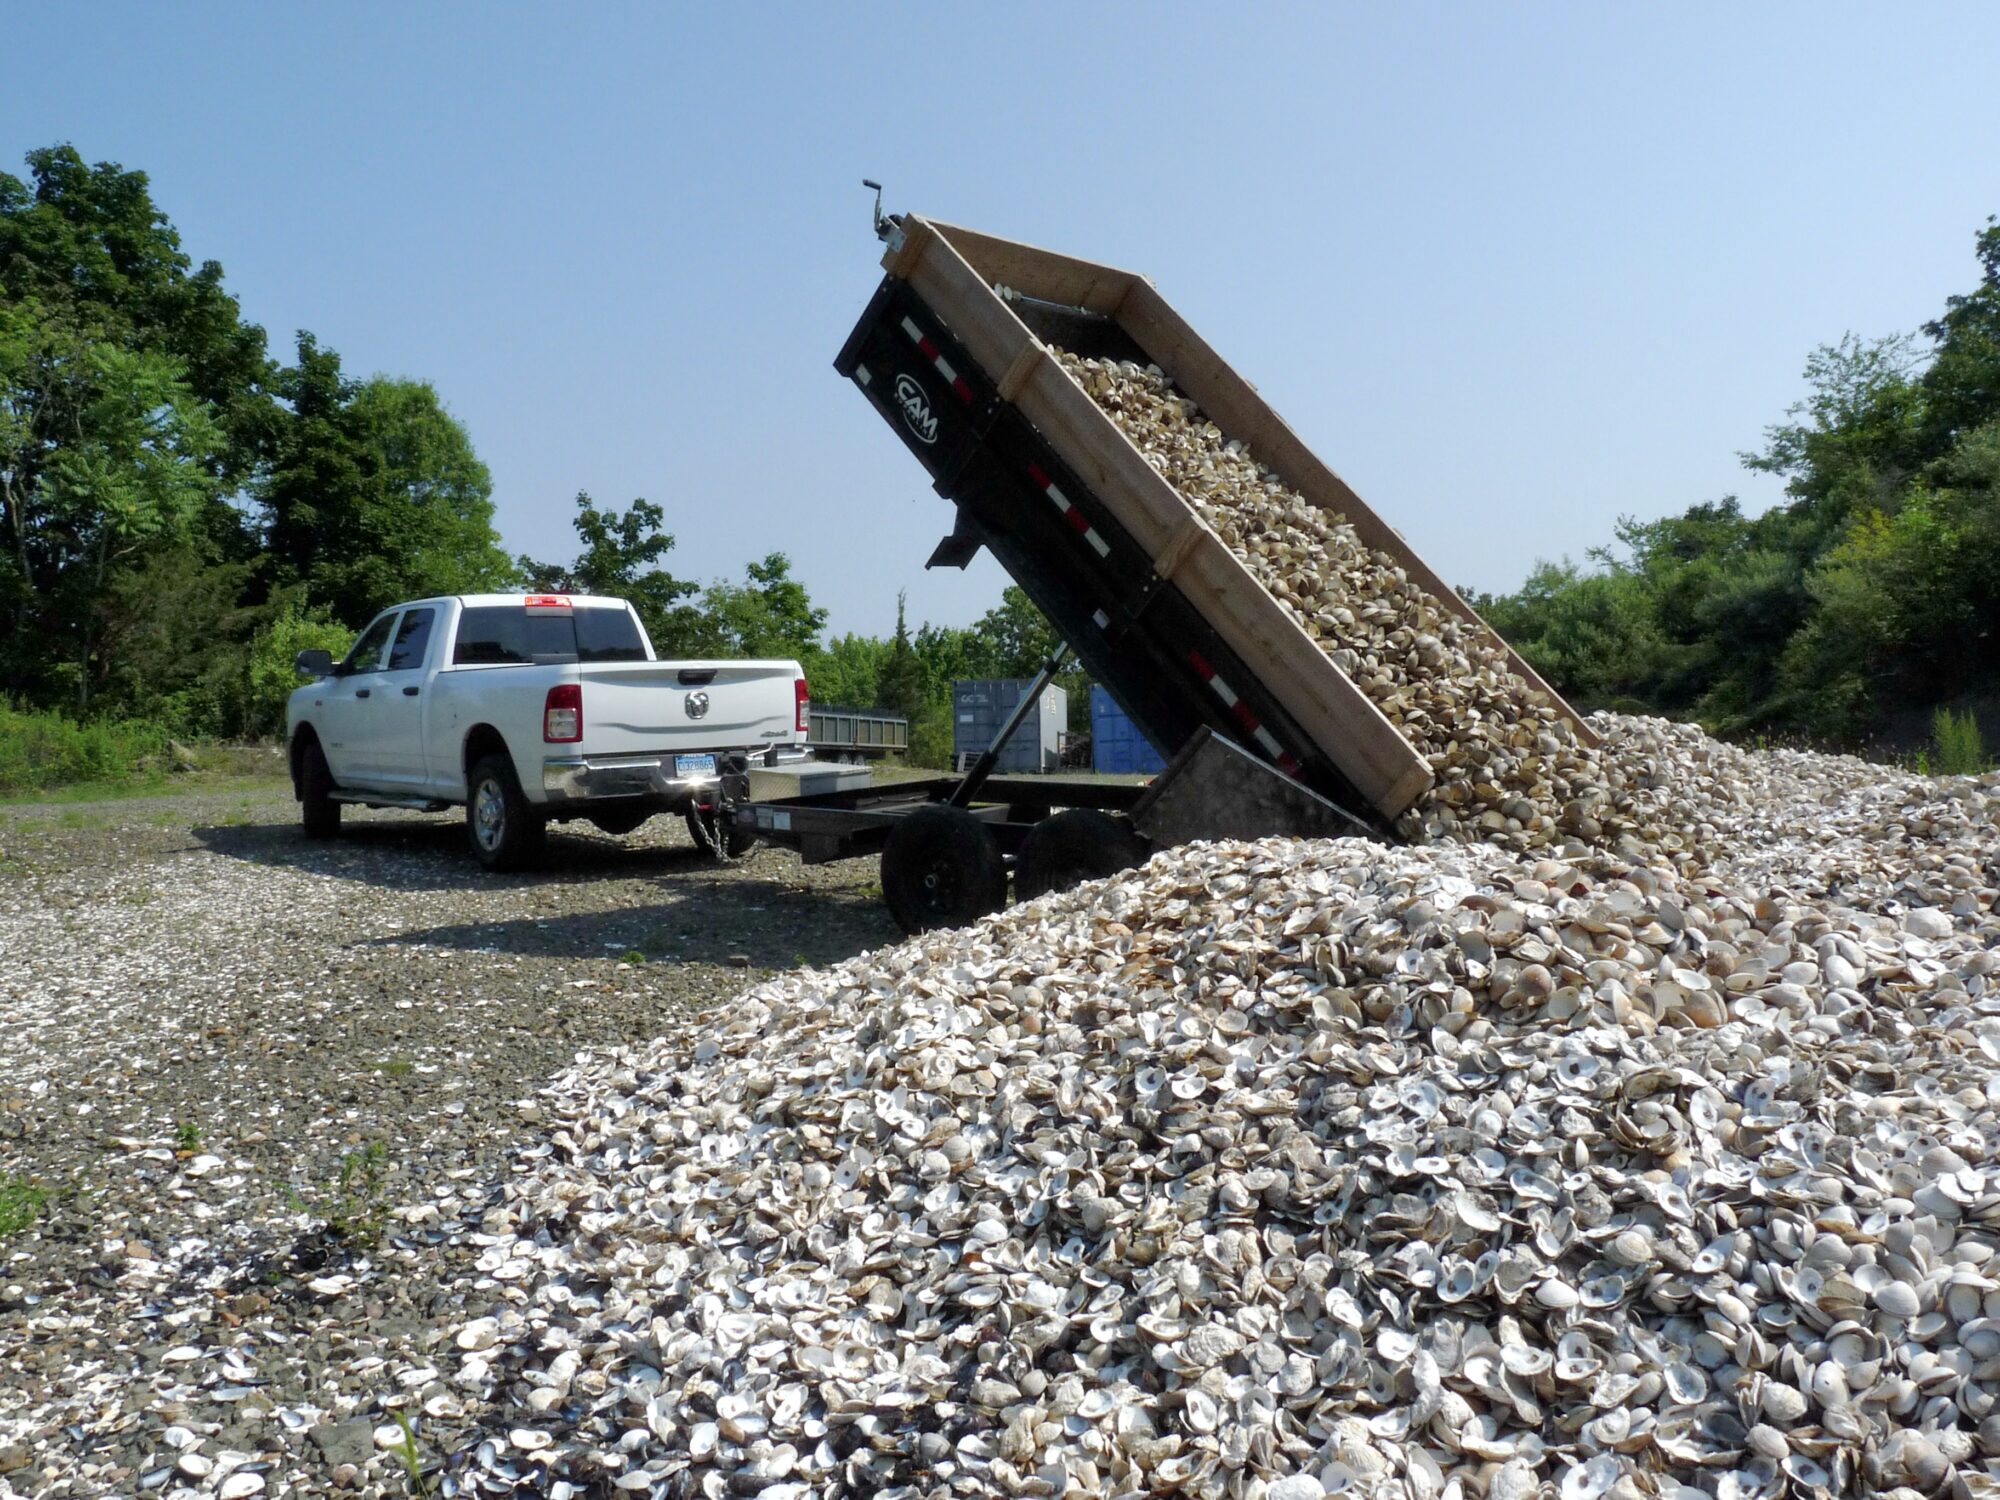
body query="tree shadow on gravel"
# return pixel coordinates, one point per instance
(770, 924)
(415, 852)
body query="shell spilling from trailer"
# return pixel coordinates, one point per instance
(956, 350)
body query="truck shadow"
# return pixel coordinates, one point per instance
(428, 853)
(750, 923)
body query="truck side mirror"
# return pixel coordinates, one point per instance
(317, 662)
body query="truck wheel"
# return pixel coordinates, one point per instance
(319, 814)
(1077, 844)
(621, 822)
(942, 868)
(722, 839)
(505, 828)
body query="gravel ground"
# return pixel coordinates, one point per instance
(258, 1094)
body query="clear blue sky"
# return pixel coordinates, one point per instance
(1512, 270)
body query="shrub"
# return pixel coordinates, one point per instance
(40, 750)
(270, 677)
(1957, 749)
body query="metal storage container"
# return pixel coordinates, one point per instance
(980, 706)
(1115, 741)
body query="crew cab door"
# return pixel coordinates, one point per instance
(343, 712)
(396, 726)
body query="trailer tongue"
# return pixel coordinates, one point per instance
(953, 351)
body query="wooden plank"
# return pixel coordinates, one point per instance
(1236, 407)
(1047, 274)
(1337, 715)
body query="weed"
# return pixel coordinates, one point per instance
(1959, 749)
(633, 956)
(187, 1137)
(354, 1206)
(20, 1205)
(801, 960)
(412, 1465)
(396, 1067)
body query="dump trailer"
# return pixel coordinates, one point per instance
(953, 351)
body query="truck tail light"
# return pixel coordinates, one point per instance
(562, 714)
(803, 695)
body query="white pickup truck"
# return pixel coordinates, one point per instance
(528, 707)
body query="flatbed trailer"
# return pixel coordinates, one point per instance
(954, 352)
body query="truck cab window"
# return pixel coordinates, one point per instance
(373, 646)
(413, 640)
(608, 635)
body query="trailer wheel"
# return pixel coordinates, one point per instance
(1077, 844)
(942, 868)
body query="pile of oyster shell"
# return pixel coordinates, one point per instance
(1637, 1137)
(1509, 767)
(1296, 1169)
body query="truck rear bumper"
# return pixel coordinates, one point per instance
(655, 777)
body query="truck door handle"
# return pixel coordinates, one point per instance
(409, 692)
(361, 692)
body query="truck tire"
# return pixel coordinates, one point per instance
(1077, 844)
(620, 822)
(319, 814)
(726, 843)
(942, 868)
(505, 829)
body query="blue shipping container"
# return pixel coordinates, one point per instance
(1115, 741)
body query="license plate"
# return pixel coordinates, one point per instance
(694, 765)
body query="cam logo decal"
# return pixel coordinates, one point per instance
(916, 408)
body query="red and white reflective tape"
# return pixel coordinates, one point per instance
(1075, 517)
(930, 352)
(1244, 714)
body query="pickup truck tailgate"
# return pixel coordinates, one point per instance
(636, 707)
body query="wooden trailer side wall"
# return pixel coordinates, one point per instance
(1342, 720)
(1229, 399)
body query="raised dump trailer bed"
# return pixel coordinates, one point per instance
(953, 350)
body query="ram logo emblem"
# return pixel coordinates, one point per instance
(916, 408)
(696, 705)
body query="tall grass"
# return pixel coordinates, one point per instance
(40, 751)
(1956, 747)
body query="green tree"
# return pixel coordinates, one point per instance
(373, 492)
(620, 558)
(901, 683)
(769, 614)
(132, 400)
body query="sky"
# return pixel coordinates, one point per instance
(1512, 271)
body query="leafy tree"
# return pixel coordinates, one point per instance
(374, 493)
(848, 670)
(770, 614)
(133, 467)
(88, 246)
(620, 557)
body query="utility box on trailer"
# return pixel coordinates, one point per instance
(980, 706)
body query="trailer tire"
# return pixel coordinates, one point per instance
(506, 831)
(319, 814)
(942, 867)
(1077, 844)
